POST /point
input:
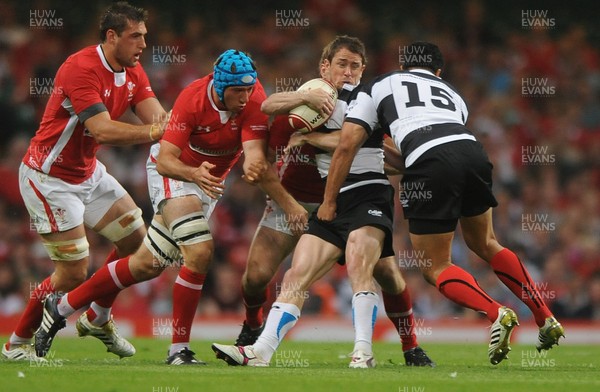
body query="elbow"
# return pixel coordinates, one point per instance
(101, 138)
(160, 167)
(266, 108)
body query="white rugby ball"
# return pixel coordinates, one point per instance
(303, 118)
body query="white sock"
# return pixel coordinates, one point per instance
(64, 309)
(17, 341)
(102, 315)
(176, 347)
(282, 318)
(364, 313)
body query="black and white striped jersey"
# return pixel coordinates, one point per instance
(367, 166)
(420, 109)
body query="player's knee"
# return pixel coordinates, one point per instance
(162, 246)
(256, 278)
(190, 229)
(126, 232)
(68, 250)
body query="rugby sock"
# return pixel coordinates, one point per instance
(101, 307)
(459, 286)
(109, 279)
(186, 294)
(514, 275)
(101, 314)
(32, 315)
(282, 317)
(398, 308)
(254, 308)
(364, 314)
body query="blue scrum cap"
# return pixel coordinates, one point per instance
(233, 68)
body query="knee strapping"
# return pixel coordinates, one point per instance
(190, 229)
(158, 240)
(69, 250)
(123, 225)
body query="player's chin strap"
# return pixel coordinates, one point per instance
(69, 250)
(123, 225)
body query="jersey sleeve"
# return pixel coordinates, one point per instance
(279, 132)
(362, 110)
(255, 123)
(83, 88)
(144, 90)
(182, 121)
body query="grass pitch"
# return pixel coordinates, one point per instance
(82, 365)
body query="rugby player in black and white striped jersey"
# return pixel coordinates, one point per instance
(447, 179)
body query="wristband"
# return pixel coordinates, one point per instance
(154, 129)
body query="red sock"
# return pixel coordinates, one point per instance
(108, 280)
(514, 275)
(254, 308)
(107, 301)
(459, 286)
(186, 294)
(32, 316)
(398, 308)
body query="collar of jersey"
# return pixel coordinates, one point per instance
(120, 77)
(422, 71)
(224, 115)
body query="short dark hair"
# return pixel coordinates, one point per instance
(353, 44)
(422, 55)
(116, 17)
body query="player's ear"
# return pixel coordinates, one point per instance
(111, 35)
(324, 67)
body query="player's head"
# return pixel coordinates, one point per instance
(234, 78)
(423, 55)
(122, 31)
(343, 61)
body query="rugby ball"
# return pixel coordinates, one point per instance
(303, 118)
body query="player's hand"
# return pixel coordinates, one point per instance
(158, 128)
(298, 220)
(209, 184)
(297, 139)
(255, 172)
(326, 211)
(319, 100)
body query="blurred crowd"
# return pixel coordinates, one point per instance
(534, 95)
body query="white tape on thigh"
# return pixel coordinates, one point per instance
(190, 229)
(123, 225)
(69, 250)
(158, 240)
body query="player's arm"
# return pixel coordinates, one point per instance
(393, 164)
(150, 111)
(169, 165)
(352, 137)
(325, 141)
(267, 180)
(283, 102)
(108, 131)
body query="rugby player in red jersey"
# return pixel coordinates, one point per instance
(213, 121)
(64, 186)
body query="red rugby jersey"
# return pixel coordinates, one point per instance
(84, 86)
(298, 170)
(205, 133)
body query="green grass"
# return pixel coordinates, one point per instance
(82, 365)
